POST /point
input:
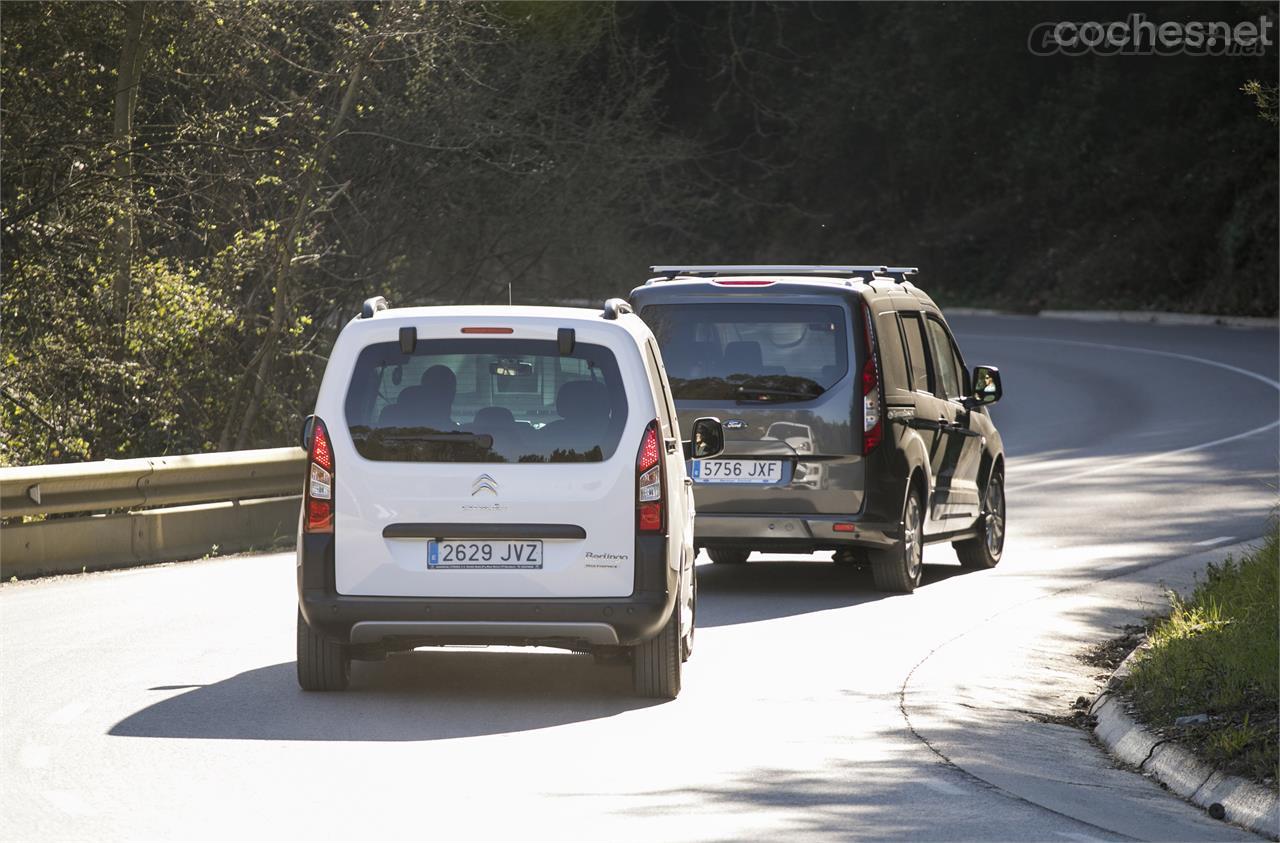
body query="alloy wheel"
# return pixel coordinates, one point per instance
(995, 516)
(911, 547)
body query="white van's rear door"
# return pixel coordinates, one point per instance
(486, 465)
(415, 533)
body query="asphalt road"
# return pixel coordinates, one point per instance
(160, 703)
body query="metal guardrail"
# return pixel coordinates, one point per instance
(126, 513)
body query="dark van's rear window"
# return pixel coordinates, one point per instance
(751, 351)
(486, 400)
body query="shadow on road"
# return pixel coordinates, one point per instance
(418, 696)
(758, 591)
(468, 692)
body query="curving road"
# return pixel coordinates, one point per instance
(161, 703)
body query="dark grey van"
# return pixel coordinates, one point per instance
(851, 422)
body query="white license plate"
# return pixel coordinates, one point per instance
(478, 553)
(737, 471)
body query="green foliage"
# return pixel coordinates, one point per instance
(288, 161)
(162, 395)
(291, 159)
(1266, 97)
(1218, 652)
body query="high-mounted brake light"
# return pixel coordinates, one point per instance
(318, 501)
(649, 509)
(742, 283)
(488, 330)
(872, 426)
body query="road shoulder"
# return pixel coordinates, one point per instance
(1243, 802)
(986, 701)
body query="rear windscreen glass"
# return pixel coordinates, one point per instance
(751, 351)
(486, 400)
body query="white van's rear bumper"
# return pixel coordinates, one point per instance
(395, 623)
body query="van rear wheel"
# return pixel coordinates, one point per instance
(656, 663)
(728, 555)
(323, 665)
(898, 569)
(686, 643)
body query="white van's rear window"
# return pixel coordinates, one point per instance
(486, 400)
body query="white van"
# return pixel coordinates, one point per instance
(497, 475)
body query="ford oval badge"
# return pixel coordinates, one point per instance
(734, 424)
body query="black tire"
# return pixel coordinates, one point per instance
(686, 643)
(728, 555)
(985, 550)
(323, 665)
(898, 570)
(656, 664)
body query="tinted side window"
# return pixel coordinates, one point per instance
(944, 362)
(913, 329)
(893, 354)
(960, 369)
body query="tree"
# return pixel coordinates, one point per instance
(278, 164)
(127, 81)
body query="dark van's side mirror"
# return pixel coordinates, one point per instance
(986, 386)
(707, 441)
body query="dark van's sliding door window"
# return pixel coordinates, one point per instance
(751, 351)
(486, 400)
(913, 329)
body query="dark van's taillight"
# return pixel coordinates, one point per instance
(872, 421)
(318, 515)
(649, 511)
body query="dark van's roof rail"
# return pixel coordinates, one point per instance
(668, 273)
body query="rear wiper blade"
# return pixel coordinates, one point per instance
(484, 440)
(780, 393)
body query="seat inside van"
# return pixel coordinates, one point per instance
(743, 357)
(508, 435)
(429, 404)
(584, 415)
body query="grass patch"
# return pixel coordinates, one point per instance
(1218, 653)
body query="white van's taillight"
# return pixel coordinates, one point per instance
(872, 427)
(649, 514)
(319, 495)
